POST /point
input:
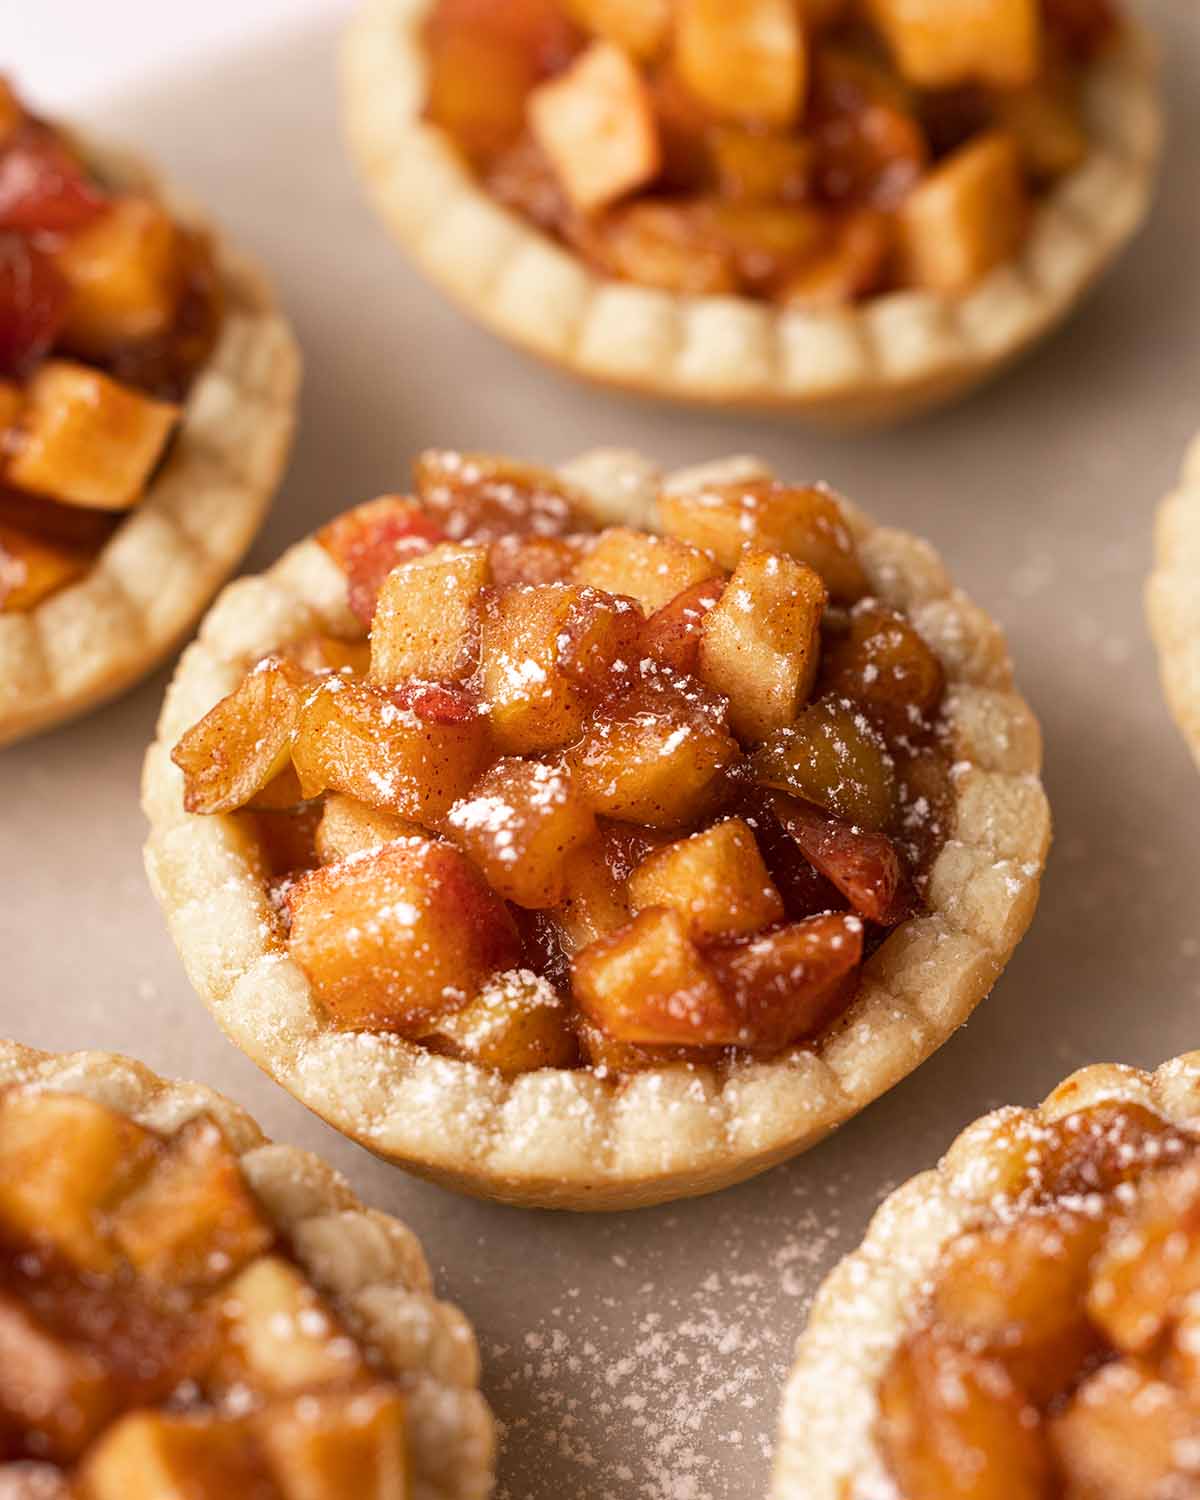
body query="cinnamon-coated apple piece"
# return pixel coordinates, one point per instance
(43, 186)
(869, 146)
(278, 1336)
(790, 982)
(518, 1022)
(1047, 122)
(654, 570)
(967, 216)
(851, 264)
(953, 1424)
(831, 755)
(398, 937)
(715, 880)
(337, 1444)
(49, 1386)
(1015, 1292)
(760, 644)
(62, 1159)
(743, 59)
(669, 244)
(941, 44)
(656, 755)
(753, 167)
(321, 653)
(151, 1455)
(880, 661)
(348, 827)
(191, 1221)
(33, 304)
(86, 438)
(31, 569)
(244, 742)
(427, 618)
(412, 750)
(550, 652)
(1094, 1150)
(372, 539)
(805, 522)
(671, 636)
(125, 274)
(1127, 1435)
(518, 823)
(595, 124)
(611, 1058)
(595, 875)
(864, 865)
(533, 559)
(1150, 1263)
(805, 892)
(639, 27)
(480, 497)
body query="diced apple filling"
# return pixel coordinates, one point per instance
(944, 43)
(427, 619)
(744, 59)
(651, 569)
(715, 880)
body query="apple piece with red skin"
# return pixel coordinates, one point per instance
(43, 188)
(865, 866)
(671, 635)
(33, 304)
(372, 539)
(805, 891)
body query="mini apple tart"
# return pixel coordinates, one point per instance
(1173, 600)
(597, 837)
(847, 210)
(147, 391)
(1022, 1323)
(188, 1312)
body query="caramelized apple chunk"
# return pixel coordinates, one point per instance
(427, 617)
(338, 1444)
(372, 539)
(833, 756)
(161, 1456)
(939, 44)
(880, 662)
(518, 1023)
(595, 894)
(760, 643)
(476, 497)
(639, 27)
(31, 569)
(672, 634)
(865, 866)
(743, 58)
(49, 1386)
(395, 938)
(348, 827)
(715, 880)
(518, 823)
(654, 570)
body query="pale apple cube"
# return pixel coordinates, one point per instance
(338, 1443)
(86, 439)
(760, 644)
(966, 217)
(517, 1024)
(349, 827)
(151, 1455)
(596, 124)
(651, 569)
(427, 619)
(715, 880)
(744, 59)
(124, 271)
(945, 43)
(639, 27)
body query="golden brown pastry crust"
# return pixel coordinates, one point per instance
(869, 363)
(369, 1263)
(1173, 599)
(826, 1449)
(571, 1139)
(150, 583)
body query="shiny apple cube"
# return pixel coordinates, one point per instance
(31, 568)
(480, 497)
(532, 559)
(394, 939)
(192, 1220)
(427, 618)
(654, 570)
(33, 304)
(408, 753)
(62, 1159)
(518, 823)
(87, 439)
(668, 245)
(348, 827)
(671, 636)
(881, 662)
(806, 523)
(743, 58)
(715, 880)
(372, 539)
(124, 271)
(595, 895)
(1048, 124)
(639, 27)
(59, 1391)
(550, 652)
(595, 122)
(966, 216)
(245, 741)
(518, 1023)
(834, 756)
(656, 756)
(941, 44)
(865, 866)
(338, 1444)
(151, 1455)
(760, 644)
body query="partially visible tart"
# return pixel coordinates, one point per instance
(1020, 1323)
(847, 211)
(147, 395)
(595, 837)
(188, 1312)
(1173, 600)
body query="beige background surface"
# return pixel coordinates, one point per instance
(641, 1355)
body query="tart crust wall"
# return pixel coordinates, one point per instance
(826, 1449)
(1173, 599)
(569, 1139)
(150, 583)
(867, 364)
(369, 1262)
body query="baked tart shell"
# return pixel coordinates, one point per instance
(89, 642)
(571, 1139)
(1173, 599)
(826, 1448)
(369, 1263)
(866, 364)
